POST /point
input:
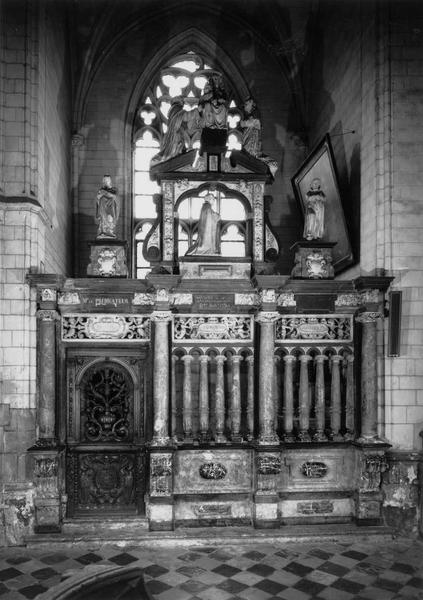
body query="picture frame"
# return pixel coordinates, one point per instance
(320, 164)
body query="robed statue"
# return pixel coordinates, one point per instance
(208, 235)
(107, 209)
(314, 211)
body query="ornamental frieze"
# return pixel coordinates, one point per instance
(212, 471)
(216, 328)
(80, 328)
(314, 328)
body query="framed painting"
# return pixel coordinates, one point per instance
(317, 177)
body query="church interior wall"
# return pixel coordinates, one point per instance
(354, 81)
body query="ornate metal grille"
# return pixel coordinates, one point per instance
(106, 411)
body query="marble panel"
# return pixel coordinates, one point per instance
(324, 470)
(317, 507)
(229, 471)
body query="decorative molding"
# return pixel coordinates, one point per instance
(100, 327)
(69, 298)
(48, 295)
(368, 317)
(251, 299)
(372, 467)
(267, 296)
(286, 299)
(178, 299)
(141, 299)
(358, 298)
(47, 315)
(337, 328)
(212, 327)
(212, 471)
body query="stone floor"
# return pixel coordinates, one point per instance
(256, 569)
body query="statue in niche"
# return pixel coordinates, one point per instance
(213, 103)
(107, 209)
(208, 237)
(314, 208)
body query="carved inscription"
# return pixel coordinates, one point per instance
(317, 507)
(314, 470)
(211, 510)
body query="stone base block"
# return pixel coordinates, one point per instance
(266, 512)
(212, 512)
(313, 260)
(108, 259)
(202, 269)
(47, 515)
(160, 517)
(369, 509)
(316, 510)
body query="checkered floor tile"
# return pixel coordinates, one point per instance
(365, 570)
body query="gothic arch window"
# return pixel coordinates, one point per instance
(183, 77)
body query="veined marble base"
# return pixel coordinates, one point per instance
(209, 269)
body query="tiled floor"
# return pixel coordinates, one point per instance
(366, 570)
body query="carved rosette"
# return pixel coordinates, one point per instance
(212, 471)
(161, 466)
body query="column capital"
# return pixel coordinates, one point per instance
(368, 317)
(320, 358)
(236, 358)
(187, 358)
(267, 316)
(335, 358)
(289, 358)
(220, 358)
(250, 359)
(47, 315)
(203, 358)
(305, 358)
(161, 316)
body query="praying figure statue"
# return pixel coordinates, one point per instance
(107, 209)
(213, 103)
(208, 235)
(314, 211)
(251, 128)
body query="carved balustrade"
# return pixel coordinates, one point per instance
(314, 374)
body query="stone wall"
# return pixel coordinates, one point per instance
(34, 223)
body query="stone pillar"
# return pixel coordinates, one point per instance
(350, 400)
(161, 378)
(236, 399)
(187, 399)
(335, 399)
(267, 409)
(250, 398)
(220, 399)
(204, 398)
(46, 413)
(320, 435)
(288, 427)
(174, 411)
(47, 455)
(304, 399)
(369, 429)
